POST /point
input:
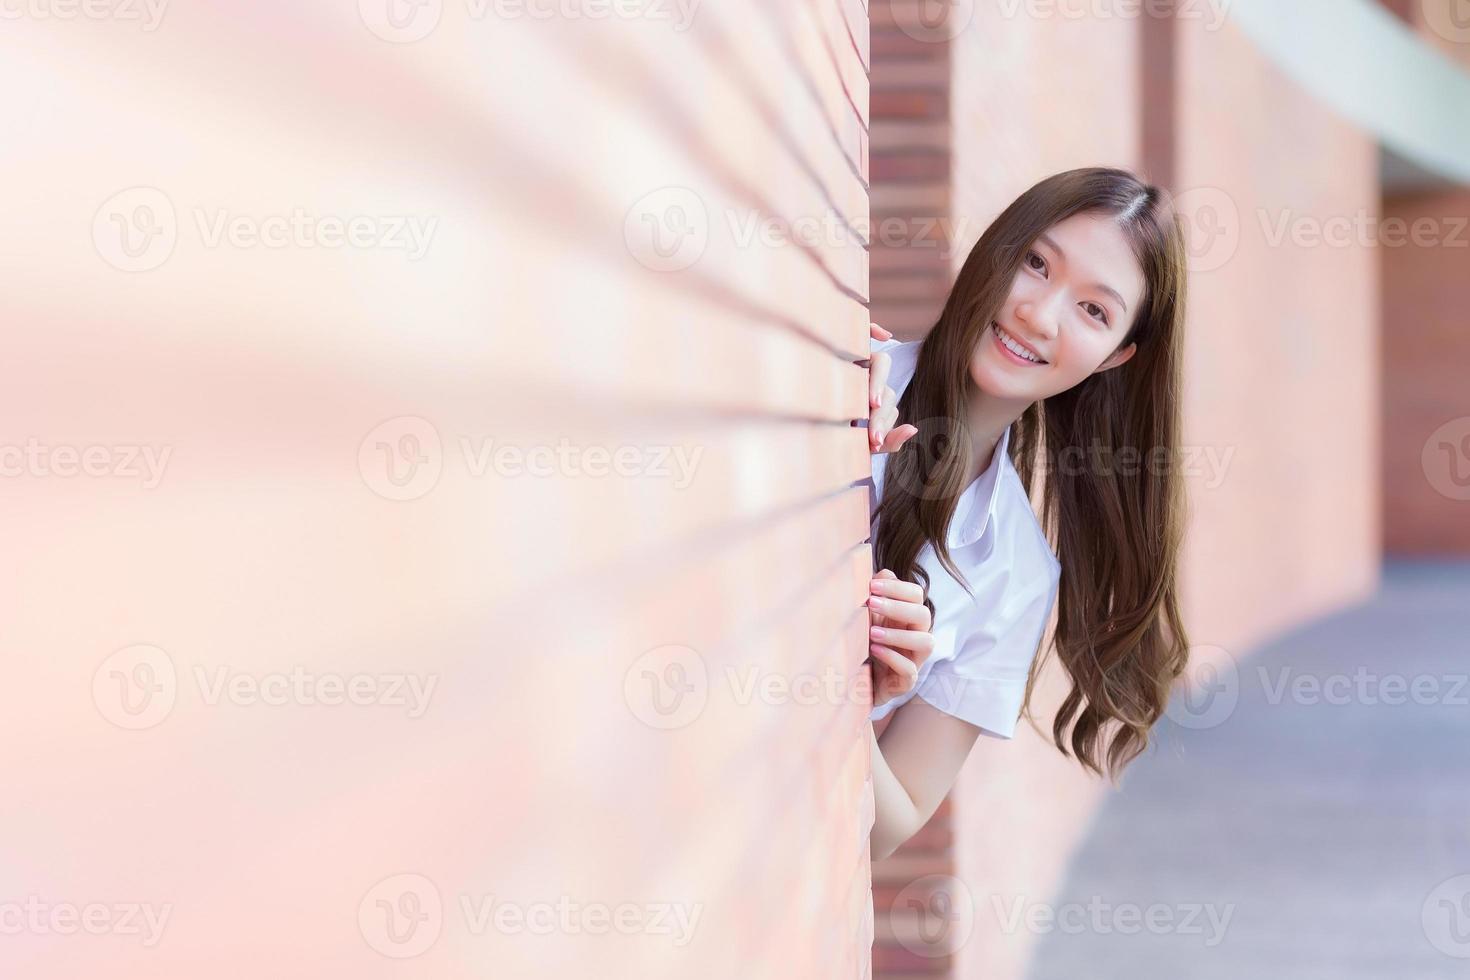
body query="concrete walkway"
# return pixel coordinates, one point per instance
(1316, 831)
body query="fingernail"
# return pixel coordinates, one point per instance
(879, 632)
(875, 602)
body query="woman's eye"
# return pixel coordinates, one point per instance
(1101, 313)
(1037, 257)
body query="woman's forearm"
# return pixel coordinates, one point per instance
(895, 816)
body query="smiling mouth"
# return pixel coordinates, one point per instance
(1014, 347)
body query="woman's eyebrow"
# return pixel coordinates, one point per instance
(1051, 244)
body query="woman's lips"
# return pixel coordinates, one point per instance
(1016, 358)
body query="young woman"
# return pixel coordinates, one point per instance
(1056, 360)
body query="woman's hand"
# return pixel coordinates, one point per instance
(901, 639)
(883, 403)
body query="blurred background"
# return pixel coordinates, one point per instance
(1303, 814)
(438, 528)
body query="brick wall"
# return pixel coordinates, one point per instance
(912, 184)
(334, 501)
(1426, 398)
(911, 169)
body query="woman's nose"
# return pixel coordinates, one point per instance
(1039, 317)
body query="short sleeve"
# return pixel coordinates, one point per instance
(985, 682)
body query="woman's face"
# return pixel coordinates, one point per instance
(1070, 305)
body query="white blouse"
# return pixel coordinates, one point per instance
(983, 646)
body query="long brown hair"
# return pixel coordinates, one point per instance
(1117, 536)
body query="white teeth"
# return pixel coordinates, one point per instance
(1014, 347)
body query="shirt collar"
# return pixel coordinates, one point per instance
(972, 513)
